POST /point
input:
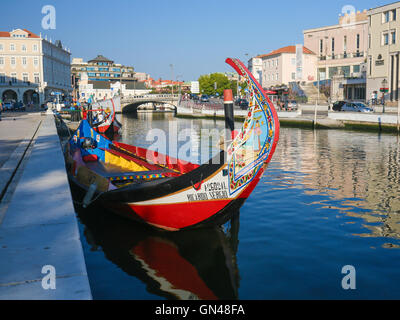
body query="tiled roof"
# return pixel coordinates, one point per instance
(6, 34)
(101, 58)
(31, 34)
(287, 49)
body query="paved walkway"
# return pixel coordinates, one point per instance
(40, 228)
(14, 128)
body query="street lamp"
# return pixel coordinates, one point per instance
(177, 77)
(172, 78)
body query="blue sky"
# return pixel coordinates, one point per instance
(194, 36)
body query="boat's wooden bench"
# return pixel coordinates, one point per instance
(137, 175)
(127, 155)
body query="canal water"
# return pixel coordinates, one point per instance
(329, 199)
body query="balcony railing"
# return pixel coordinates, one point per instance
(342, 56)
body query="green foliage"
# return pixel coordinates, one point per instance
(208, 82)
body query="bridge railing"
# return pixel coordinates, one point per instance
(151, 96)
(199, 106)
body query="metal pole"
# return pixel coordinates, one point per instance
(398, 115)
(316, 102)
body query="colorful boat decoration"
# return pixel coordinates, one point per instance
(169, 193)
(105, 122)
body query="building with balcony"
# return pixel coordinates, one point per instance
(32, 68)
(99, 69)
(384, 51)
(341, 51)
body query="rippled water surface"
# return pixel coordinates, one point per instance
(328, 199)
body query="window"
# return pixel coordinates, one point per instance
(2, 78)
(23, 47)
(370, 65)
(393, 33)
(385, 39)
(293, 61)
(394, 15)
(345, 46)
(276, 76)
(1, 47)
(36, 77)
(321, 46)
(1, 61)
(35, 48)
(277, 62)
(13, 77)
(369, 41)
(12, 47)
(24, 61)
(25, 77)
(35, 62)
(358, 41)
(13, 61)
(386, 17)
(356, 68)
(333, 46)
(293, 75)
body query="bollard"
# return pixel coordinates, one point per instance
(228, 110)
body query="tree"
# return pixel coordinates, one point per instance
(214, 83)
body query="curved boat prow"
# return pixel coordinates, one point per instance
(256, 142)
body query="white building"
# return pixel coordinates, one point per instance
(255, 67)
(100, 90)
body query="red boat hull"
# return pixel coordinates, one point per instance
(178, 216)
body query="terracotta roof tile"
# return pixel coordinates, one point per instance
(287, 49)
(31, 34)
(6, 34)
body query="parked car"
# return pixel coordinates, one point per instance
(243, 103)
(362, 107)
(337, 106)
(204, 98)
(291, 105)
(8, 106)
(194, 96)
(356, 107)
(19, 106)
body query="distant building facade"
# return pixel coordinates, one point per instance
(255, 67)
(384, 51)
(341, 50)
(279, 67)
(99, 69)
(102, 90)
(32, 68)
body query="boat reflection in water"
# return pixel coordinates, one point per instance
(192, 264)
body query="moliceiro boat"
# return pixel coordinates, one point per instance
(169, 193)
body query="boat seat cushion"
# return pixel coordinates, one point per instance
(90, 158)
